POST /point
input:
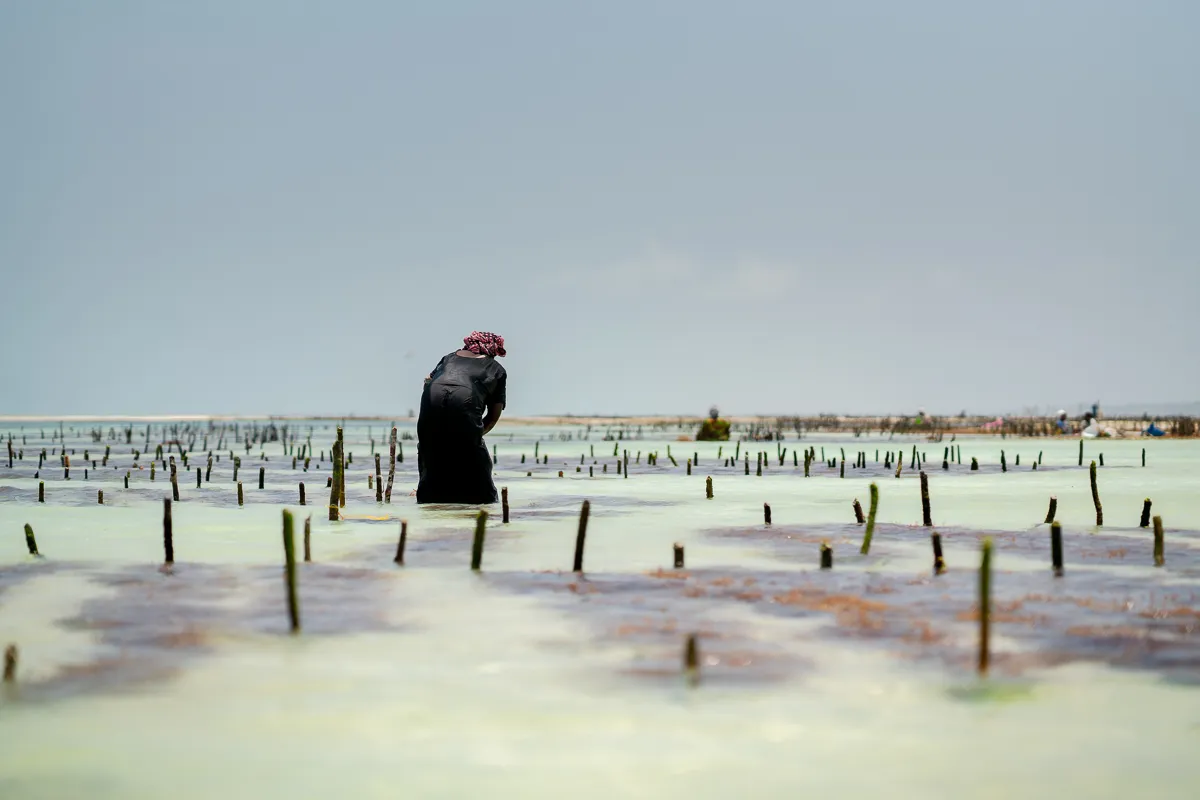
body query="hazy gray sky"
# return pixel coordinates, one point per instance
(289, 207)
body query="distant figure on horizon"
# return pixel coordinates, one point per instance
(1062, 423)
(714, 428)
(452, 460)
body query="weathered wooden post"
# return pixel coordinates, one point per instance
(985, 605)
(871, 511)
(477, 543)
(691, 660)
(289, 575)
(1051, 510)
(1096, 496)
(1056, 549)
(30, 540)
(926, 516)
(387, 493)
(399, 559)
(581, 535)
(308, 538)
(168, 535)
(1159, 560)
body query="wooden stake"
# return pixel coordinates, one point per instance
(1051, 510)
(100, 497)
(504, 505)
(1145, 522)
(168, 537)
(985, 605)
(1158, 542)
(1096, 496)
(939, 564)
(399, 559)
(30, 541)
(581, 535)
(871, 511)
(289, 558)
(826, 556)
(387, 493)
(335, 484)
(766, 514)
(926, 517)
(858, 513)
(42, 489)
(10, 664)
(1056, 551)
(678, 550)
(262, 477)
(1081, 452)
(708, 492)
(691, 660)
(477, 544)
(308, 538)
(342, 464)
(241, 497)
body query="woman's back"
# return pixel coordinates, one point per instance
(467, 382)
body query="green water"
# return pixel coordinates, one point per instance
(432, 681)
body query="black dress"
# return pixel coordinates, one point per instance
(452, 460)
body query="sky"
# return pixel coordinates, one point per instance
(868, 206)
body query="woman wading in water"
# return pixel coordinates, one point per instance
(461, 402)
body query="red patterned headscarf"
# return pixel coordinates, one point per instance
(484, 343)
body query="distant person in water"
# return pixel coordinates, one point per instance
(714, 429)
(461, 402)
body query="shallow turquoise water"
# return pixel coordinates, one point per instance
(430, 680)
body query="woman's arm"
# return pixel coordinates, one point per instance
(493, 416)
